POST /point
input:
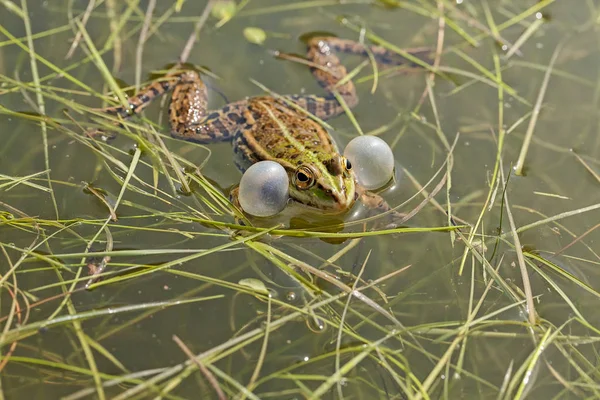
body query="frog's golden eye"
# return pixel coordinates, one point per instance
(304, 178)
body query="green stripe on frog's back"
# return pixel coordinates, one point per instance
(279, 134)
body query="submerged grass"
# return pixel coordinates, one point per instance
(143, 282)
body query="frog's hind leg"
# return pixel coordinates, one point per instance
(189, 118)
(323, 107)
(137, 103)
(144, 97)
(329, 72)
(191, 121)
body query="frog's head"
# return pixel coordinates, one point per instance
(328, 185)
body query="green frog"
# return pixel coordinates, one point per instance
(271, 128)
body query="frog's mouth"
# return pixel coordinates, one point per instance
(325, 200)
(344, 201)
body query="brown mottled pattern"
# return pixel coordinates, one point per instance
(192, 124)
(188, 102)
(265, 139)
(145, 96)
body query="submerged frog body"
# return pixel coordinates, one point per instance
(279, 129)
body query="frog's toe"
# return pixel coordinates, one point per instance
(393, 220)
(98, 134)
(240, 221)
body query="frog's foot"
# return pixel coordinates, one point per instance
(98, 134)
(377, 205)
(235, 200)
(238, 215)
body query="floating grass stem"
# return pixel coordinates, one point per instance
(520, 165)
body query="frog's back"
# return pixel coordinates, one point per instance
(278, 132)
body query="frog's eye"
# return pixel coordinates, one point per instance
(347, 164)
(304, 178)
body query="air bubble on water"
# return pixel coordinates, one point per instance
(539, 15)
(316, 325)
(291, 296)
(504, 47)
(305, 358)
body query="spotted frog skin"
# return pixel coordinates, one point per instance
(279, 128)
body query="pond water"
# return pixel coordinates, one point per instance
(435, 321)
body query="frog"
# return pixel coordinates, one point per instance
(284, 129)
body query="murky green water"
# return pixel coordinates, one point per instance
(430, 298)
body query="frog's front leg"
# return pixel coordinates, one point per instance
(234, 198)
(377, 205)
